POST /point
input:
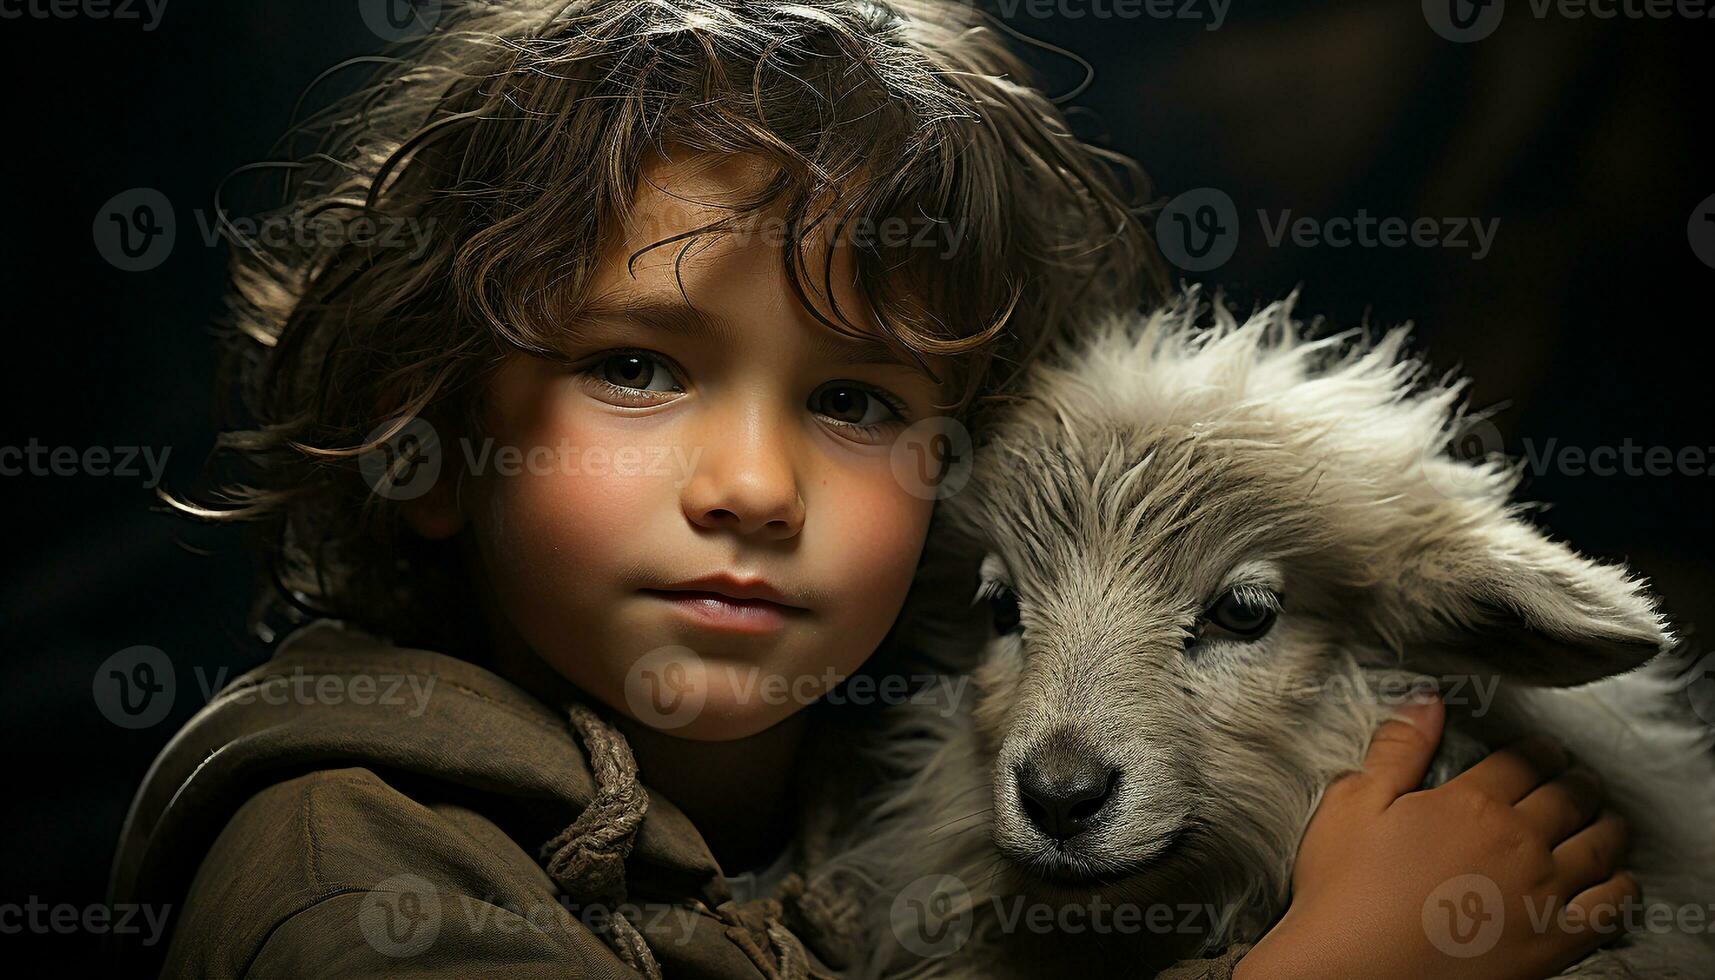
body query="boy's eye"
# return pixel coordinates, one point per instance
(851, 404)
(635, 369)
(626, 373)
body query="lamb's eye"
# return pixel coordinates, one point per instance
(1003, 606)
(1246, 613)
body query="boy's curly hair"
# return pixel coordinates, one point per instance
(514, 134)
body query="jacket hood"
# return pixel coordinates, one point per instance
(334, 697)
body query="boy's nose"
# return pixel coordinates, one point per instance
(746, 485)
(748, 519)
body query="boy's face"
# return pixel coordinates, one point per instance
(734, 440)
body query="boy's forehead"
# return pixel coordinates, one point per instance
(700, 175)
(676, 196)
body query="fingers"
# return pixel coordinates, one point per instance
(1564, 805)
(1510, 774)
(1401, 749)
(1600, 909)
(1592, 854)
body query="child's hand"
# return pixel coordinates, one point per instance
(1375, 891)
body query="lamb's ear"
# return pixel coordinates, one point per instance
(1492, 594)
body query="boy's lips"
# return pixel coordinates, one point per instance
(723, 612)
(728, 602)
(734, 587)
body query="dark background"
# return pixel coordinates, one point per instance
(1588, 139)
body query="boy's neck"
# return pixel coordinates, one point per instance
(738, 794)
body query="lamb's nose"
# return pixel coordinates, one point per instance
(1063, 784)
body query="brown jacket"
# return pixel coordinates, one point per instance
(355, 808)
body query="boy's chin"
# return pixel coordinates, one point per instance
(729, 721)
(675, 693)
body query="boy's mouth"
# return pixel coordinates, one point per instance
(731, 588)
(716, 610)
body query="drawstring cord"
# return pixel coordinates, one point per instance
(755, 927)
(587, 860)
(588, 857)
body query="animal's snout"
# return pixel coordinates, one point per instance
(1063, 784)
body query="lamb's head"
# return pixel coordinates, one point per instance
(1187, 528)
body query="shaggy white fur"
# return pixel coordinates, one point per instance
(1161, 464)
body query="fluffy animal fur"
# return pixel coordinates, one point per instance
(1141, 475)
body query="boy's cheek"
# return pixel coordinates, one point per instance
(561, 553)
(547, 525)
(876, 534)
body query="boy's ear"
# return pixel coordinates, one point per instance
(438, 514)
(412, 467)
(1485, 592)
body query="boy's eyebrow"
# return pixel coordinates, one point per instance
(679, 319)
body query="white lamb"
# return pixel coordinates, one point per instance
(1215, 557)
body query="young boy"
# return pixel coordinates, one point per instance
(637, 434)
